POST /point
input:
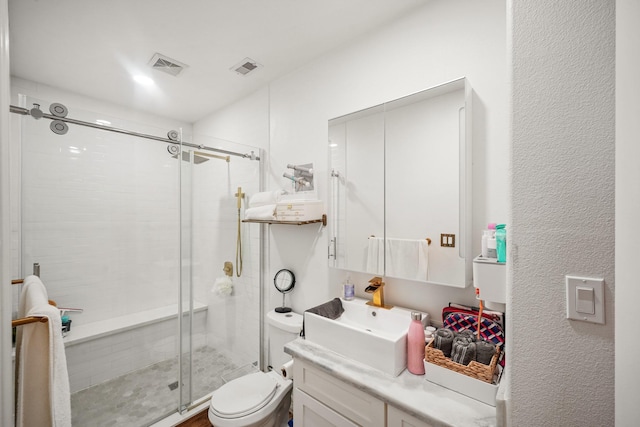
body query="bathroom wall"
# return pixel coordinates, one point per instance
(562, 61)
(627, 208)
(438, 43)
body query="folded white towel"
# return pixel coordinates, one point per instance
(42, 380)
(266, 212)
(265, 198)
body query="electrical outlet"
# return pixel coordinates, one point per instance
(448, 240)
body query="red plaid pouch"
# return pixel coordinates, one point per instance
(491, 329)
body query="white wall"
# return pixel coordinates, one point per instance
(441, 42)
(562, 124)
(627, 208)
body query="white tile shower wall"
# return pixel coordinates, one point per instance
(233, 321)
(96, 361)
(120, 189)
(100, 214)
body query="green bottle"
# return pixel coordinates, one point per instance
(501, 242)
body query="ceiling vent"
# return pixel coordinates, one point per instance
(245, 66)
(165, 64)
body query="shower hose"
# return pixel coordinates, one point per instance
(239, 236)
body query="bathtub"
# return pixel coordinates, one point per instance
(99, 351)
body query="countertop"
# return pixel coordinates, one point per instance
(410, 393)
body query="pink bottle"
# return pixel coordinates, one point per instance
(415, 345)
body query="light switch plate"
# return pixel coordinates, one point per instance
(585, 299)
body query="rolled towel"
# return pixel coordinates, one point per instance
(265, 198)
(266, 212)
(485, 351)
(463, 351)
(331, 309)
(443, 341)
(466, 333)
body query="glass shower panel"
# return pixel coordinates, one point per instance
(100, 213)
(225, 322)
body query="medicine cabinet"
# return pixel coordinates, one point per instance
(401, 177)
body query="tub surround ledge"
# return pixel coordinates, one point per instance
(410, 393)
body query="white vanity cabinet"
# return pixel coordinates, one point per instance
(319, 400)
(398, 418)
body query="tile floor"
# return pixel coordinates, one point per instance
(143, 397)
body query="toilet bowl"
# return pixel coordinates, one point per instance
(260, 399)
(257, 399)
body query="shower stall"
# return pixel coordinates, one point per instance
(133, 225)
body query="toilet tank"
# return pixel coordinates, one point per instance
(283, 328)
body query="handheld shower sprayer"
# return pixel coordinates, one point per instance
(239, 195)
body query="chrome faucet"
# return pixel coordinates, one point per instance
(376, 287)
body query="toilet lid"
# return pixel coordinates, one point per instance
(243, 395)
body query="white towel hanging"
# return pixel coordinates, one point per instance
(42, 380)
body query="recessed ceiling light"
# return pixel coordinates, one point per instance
(103, 122)
(143, 80)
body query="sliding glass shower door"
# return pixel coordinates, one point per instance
(221, 266)
(132, 234)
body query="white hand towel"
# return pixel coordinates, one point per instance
(375, 256)
(265, 198)
(42, 389)
(266, 212)
(407, 258)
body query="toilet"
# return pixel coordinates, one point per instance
(259, 398)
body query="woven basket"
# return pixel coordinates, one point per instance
(474, 369)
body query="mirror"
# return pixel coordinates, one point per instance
(400, 177)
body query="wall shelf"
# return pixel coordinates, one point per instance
(323, 220)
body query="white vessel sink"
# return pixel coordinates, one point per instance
(374, 336)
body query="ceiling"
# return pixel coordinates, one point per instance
(95, 47)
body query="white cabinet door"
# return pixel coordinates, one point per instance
(308, 412)
(352, 403)
(397, 418)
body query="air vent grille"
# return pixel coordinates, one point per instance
(165, 64)
(245, 66)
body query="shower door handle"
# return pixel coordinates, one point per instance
(333, 243)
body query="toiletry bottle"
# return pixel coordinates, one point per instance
(486, 235)
(491, 241)
(349, 289)
(501, 243)
(428, 336)
(415, 345)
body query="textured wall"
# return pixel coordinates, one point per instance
(562, 209)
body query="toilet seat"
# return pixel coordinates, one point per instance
(243, 396)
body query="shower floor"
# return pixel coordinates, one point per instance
(143, 397)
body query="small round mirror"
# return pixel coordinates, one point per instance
(284, 281)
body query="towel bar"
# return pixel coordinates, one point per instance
(36, 272)
(27, 320)
(427, 239)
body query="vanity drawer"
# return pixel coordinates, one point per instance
(345, 399)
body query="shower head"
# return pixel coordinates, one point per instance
(199, 159)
